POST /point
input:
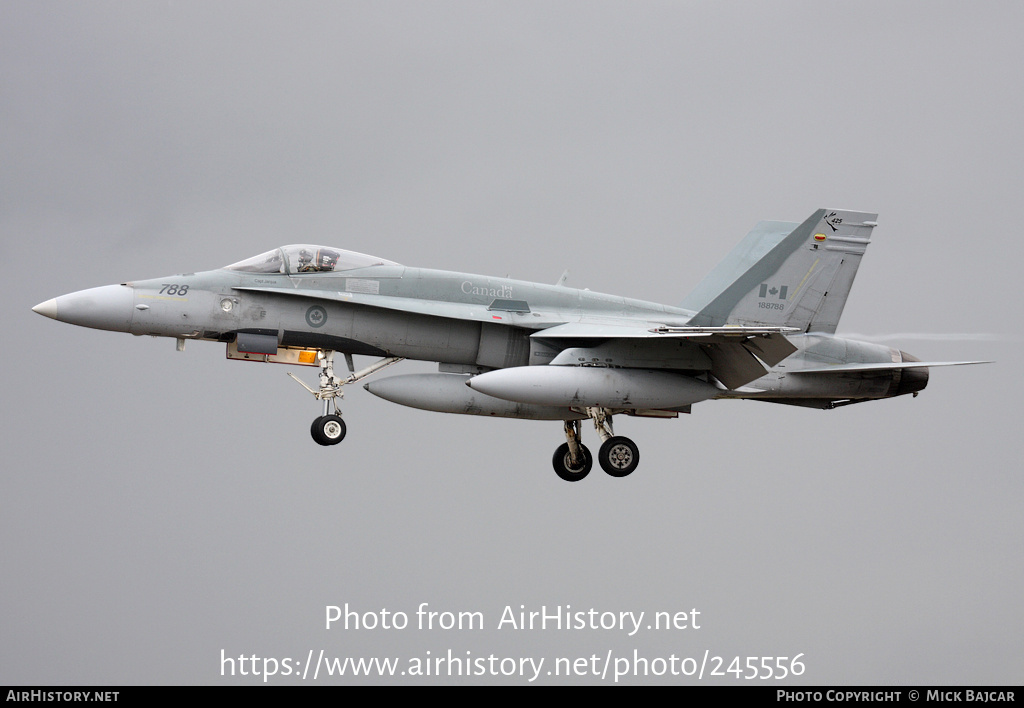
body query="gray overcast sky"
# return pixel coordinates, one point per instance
(157, 508)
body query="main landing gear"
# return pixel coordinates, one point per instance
(618, 455)
(329, 428)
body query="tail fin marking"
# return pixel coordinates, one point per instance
(800, 279)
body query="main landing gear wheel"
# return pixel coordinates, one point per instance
(564, 468)
(328, 429)
(618, 456)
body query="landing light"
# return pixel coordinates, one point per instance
(285, 355)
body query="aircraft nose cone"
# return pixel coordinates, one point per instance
(47, 309)
(108, 307)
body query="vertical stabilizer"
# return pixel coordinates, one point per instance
(784, 276)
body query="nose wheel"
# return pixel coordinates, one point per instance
(330, 429)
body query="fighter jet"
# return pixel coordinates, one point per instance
(760, 326)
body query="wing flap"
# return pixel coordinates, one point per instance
(731, 354)
(734, 365)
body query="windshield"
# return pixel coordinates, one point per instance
(304, 258)
(269, 262)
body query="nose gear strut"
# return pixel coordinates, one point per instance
(329, 428)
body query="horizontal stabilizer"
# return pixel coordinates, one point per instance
(884, 366)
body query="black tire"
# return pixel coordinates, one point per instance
(331, 428)
(619, 456)
(314, 430)
(562, 462)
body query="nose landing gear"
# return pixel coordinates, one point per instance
(329, 428)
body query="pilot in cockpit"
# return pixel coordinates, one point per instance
(322, 261)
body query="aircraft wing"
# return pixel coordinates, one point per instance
(733, 355)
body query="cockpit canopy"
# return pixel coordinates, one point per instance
(303, 258)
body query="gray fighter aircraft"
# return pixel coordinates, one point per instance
(760, 326)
